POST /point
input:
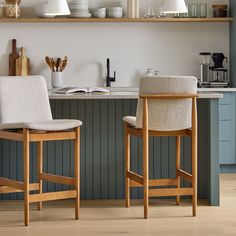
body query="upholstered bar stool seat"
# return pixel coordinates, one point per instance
(25, 115)
(50, 125)
(130, 120)
(166, 107)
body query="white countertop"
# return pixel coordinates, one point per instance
(120, 95)
(217, 90)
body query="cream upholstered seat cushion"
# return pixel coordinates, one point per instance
(24, 103)
(50, 125)
(130, 120)
(165, 115)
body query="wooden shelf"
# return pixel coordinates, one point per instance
(114, 20)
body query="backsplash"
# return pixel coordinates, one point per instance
(171, 48)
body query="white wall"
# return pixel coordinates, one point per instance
(170, 48)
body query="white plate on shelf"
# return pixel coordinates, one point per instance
(87, 15)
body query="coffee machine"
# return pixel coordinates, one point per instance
(213, 72)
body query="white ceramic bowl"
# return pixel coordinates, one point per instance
(115, 14)
(99, 14)
(100, 9)
(120, 9)
(40, 10)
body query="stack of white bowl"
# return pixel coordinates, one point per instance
(115, 12)
(79, 8)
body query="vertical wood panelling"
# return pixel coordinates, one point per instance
(73, 109)
(172, 158)
(165, 157)
(119, 150)
(112, 148)
(66, 149)
(81, 116)
(13, 166)
(88, 149)
(96, 150)
(51, 150)
(58, 145)
(102, 151)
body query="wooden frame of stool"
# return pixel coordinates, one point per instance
(136, 180)
(11, 186)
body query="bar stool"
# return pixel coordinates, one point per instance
(25, 116)
(166, 107)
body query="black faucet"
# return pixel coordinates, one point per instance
(108, 78)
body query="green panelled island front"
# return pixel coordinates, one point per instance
(102, 151)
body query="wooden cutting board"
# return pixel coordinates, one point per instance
(12, 59)
(22, 64)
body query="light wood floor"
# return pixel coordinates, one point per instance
(111, 218)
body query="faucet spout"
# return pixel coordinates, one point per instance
(109, 79)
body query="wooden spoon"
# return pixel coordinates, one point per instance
(58, 62)
(53, 64)
(47, 59)
(64, 64)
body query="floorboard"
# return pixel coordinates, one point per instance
(111, 218)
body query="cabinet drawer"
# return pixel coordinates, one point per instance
(226, 100)
(225, 112)
(225, 131)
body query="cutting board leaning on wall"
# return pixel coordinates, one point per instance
(22, 64)
(12, 59)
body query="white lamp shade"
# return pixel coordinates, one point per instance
(174, 6)
(57, 8)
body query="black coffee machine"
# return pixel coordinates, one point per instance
(213, 72)
(218, 73)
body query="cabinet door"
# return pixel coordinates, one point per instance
(227, 121)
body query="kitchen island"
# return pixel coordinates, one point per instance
(102, 149)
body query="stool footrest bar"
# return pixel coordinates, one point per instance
(135, 177)
(185, 175)
(6, 189)
(57, 179)
(170, 192)
(52, 196)
(156, 182)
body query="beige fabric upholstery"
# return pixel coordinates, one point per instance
(24, 103)
(130, 119)
(50, 125)
(166, 115)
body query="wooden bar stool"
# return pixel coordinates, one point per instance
(25, 116)
(166, 107)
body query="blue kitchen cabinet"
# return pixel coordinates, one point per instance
(227, 120)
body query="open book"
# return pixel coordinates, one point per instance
(68, 90)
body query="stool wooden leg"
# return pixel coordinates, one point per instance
(127, 166)
(145, 158)
(178, 166)
(40, 170)
(194, 156)
(194, 175)
(26, 175)
(77, 172)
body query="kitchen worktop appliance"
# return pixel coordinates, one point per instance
(214, 71)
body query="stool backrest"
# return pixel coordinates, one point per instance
(24, 99)
(171, 114)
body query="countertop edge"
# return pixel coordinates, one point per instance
(121, 95)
